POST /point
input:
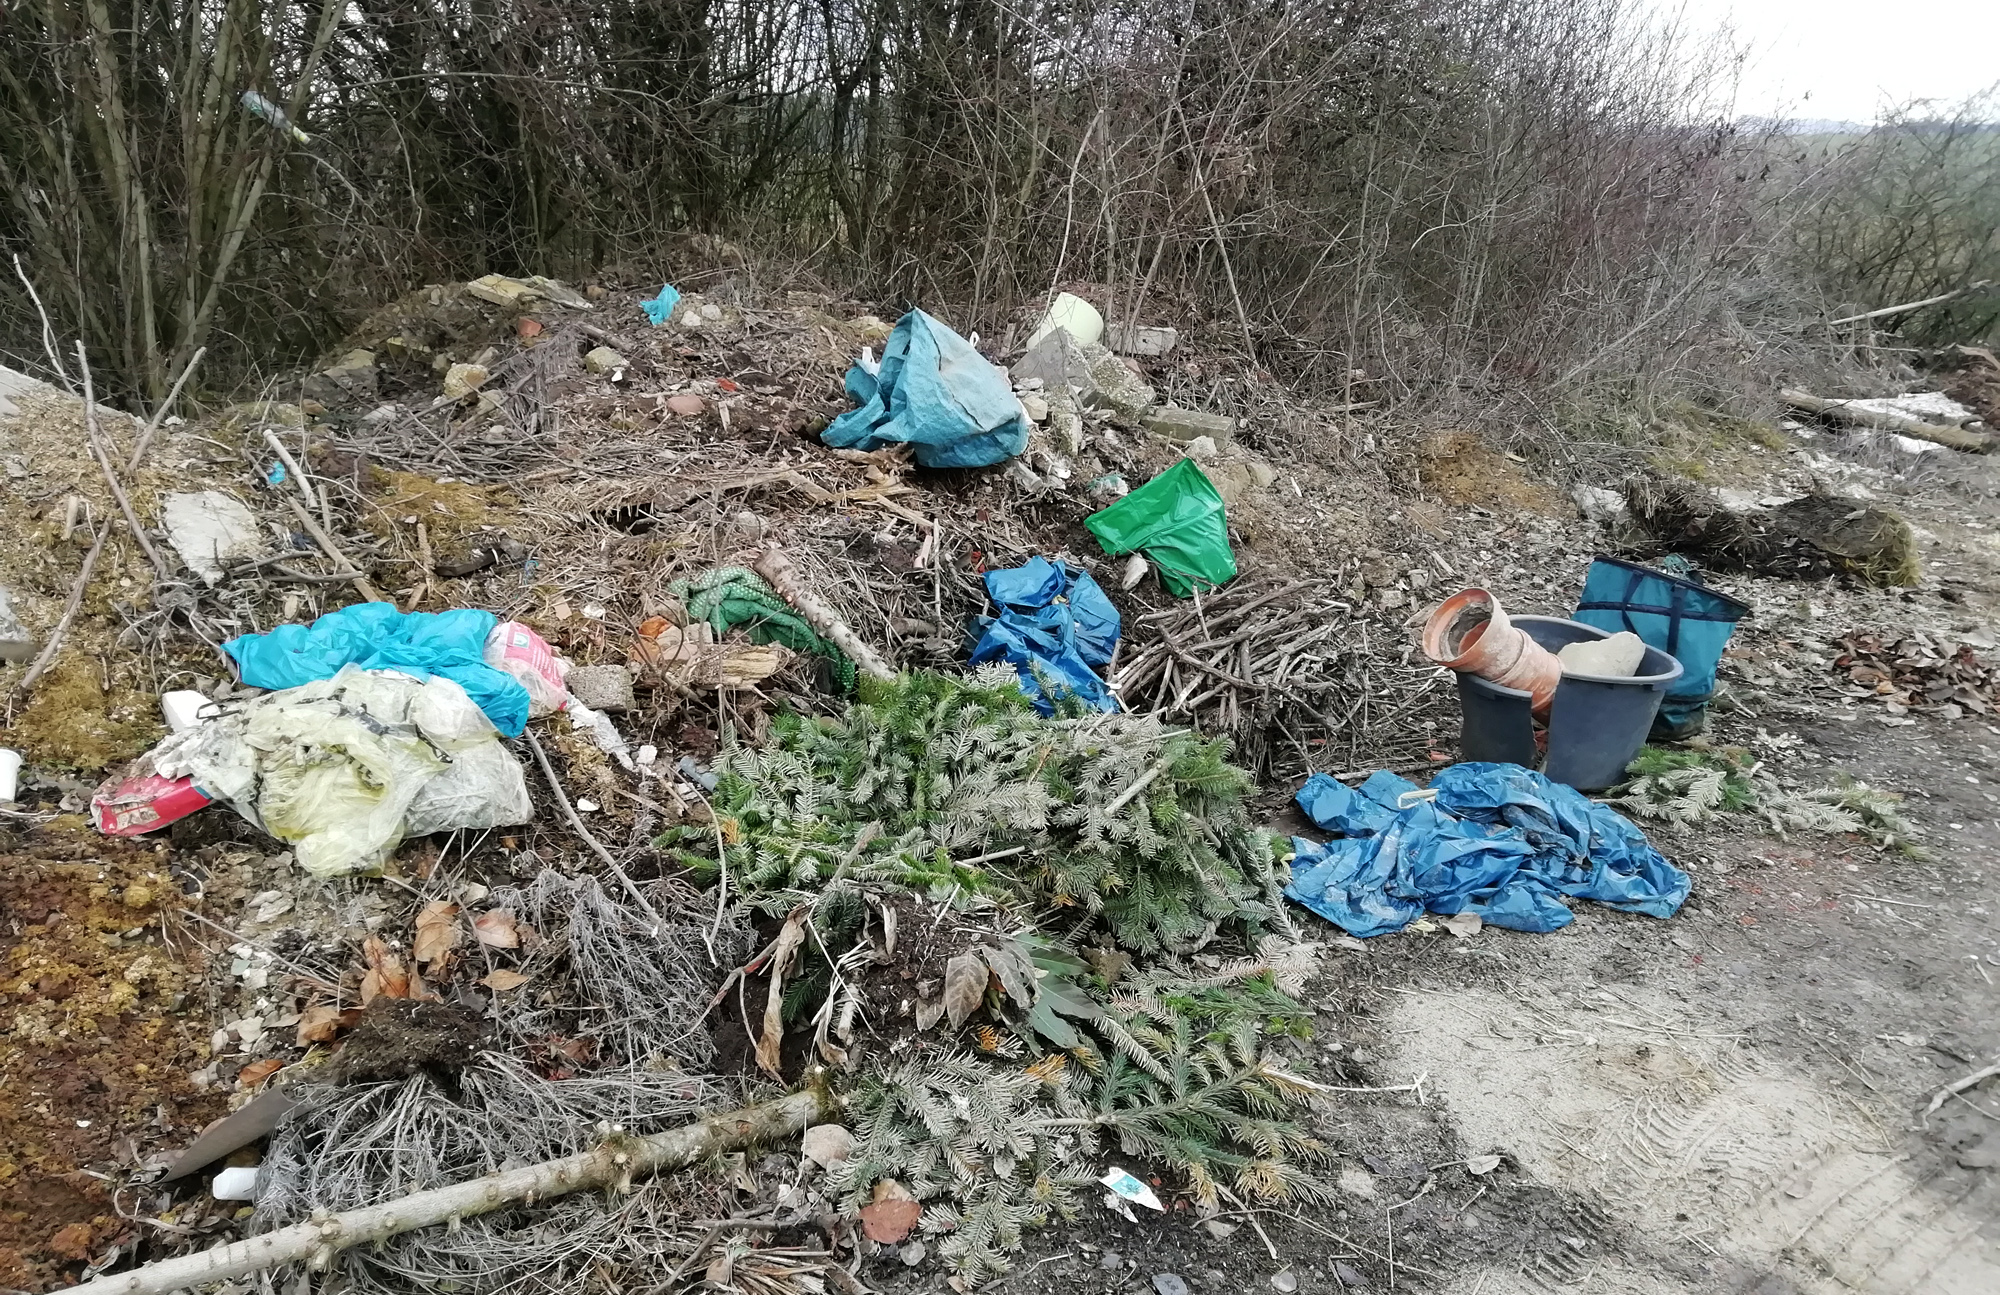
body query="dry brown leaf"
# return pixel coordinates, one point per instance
(496, 929)
(318, 1025)
(386, 976)
(258, 1071)
(784, 953)
(437, 931)
(965, 978)
(502, 980)
(889, 1218)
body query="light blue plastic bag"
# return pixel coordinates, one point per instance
(935, 392)
(379, 636)
(661, 308)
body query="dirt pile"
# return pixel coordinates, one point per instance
(102, 1017)
(580, 476)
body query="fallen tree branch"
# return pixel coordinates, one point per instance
(299, 478)
(614, 1163)
(777, 568)
(1938, 300)
(1843, 411)
(1140, 784)
(160, 414)
(1960, 1085)
(111, 481)
(70, 609)
(348, 570)
(597, 846)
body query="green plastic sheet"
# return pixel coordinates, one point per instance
(1176, 520)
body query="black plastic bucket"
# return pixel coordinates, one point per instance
(1596, 724)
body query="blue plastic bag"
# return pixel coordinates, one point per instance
(661, 308)
(1497, 840)
(379, 636)
(933, 391)
(1054, 624)
(1682, 618)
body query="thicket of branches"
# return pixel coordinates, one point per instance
(1906, 212)
(1445, 195)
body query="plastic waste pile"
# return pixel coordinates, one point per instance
(378, 636)
(1495, 840)
(1580, 697)
(380, 725)
(1177, 521)
(932, 390)
(343, 769)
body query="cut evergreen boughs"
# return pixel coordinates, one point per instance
(1045, 832)
(975, 796)
(1693, 786)
(1174, 1074)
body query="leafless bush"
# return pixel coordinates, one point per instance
(1904, 212)
(1427, 200)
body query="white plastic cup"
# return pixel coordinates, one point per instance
(10, 774)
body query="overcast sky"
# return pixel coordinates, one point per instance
(1845, 60)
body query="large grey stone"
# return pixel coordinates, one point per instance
(1056, 361)
(1141, 341)
(1099, 379)
(351, 381)
(601, 687)
(1184, 425)
(1115, 387)
(602, 359)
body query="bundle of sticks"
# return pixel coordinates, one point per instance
(1246, 659)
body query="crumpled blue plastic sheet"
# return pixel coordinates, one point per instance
(379, 636)
(1054, 625)
(661, 308)
(1497, 840)
(1354, 811)
(933, 391)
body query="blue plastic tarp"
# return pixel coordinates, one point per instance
(1353, 811)
(379, 636)
(1497, 840)
(1055, 625)
(935, 392)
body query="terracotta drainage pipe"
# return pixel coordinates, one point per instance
(1470, 632)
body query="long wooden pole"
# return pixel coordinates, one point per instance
(776, 567)
(616, 1161)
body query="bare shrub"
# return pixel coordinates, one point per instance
(1453, 203)
(1904, 212)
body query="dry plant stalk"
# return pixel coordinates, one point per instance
(613, 1164)
(774, 566)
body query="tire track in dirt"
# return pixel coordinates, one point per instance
(1695, 1142)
